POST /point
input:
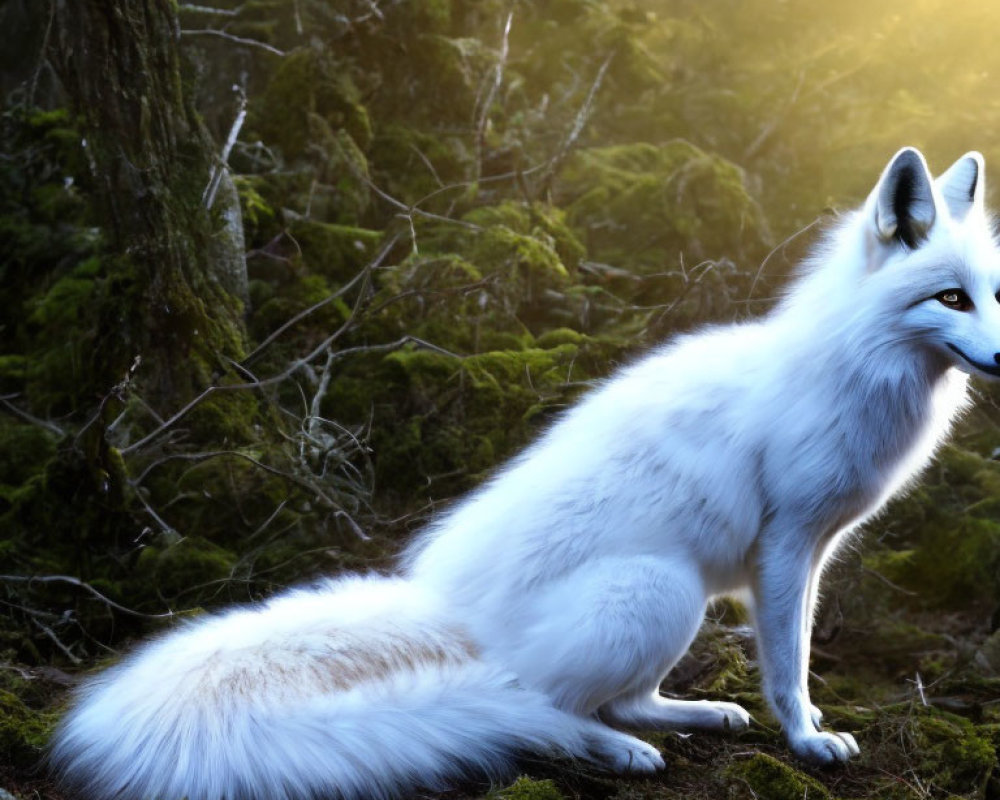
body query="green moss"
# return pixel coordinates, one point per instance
(637, 206)
(946, 535)
(411, 164)
(765, 776)
(225, 417)
(952, 751)
(543, 222)
(186, 564)
(24, 449)
(23, 732)
(276, 302)
(729, 673)
(559, 336)
(443, 421)
(260, 219)
(525, 788)
(340, 192)
(428, 16)
(309, 81)
(456, 65)
(337, 252)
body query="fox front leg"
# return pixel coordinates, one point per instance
(782, 602)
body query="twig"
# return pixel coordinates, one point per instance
(785, 242)
(373, 264)
(484, 115)
(919, 683)
(42, 423)
(222, 12)
(234, 387)
(412, 209)
(324, 384)
(29, 97)
(267, 522)
(506, 176)
(578, 124)
(164, 526)
(230, 37)
(219, 168)
(886, 581)
(353, 525)
(29, 579)
(775, 122)
(55, 639)
(428, 164)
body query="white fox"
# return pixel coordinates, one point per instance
(550, 604)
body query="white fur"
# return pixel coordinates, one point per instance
(557, 597)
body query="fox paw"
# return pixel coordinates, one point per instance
(727, 717)
(825, 748)
(626, 754)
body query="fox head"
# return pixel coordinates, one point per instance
(931, 249)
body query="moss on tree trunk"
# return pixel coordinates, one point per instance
(177, 265)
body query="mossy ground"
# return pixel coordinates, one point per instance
(435, 270)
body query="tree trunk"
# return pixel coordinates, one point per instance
(177, 266)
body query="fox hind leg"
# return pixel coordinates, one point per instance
(611, 629)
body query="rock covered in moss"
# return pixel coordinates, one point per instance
(765, 776)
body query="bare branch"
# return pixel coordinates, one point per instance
(373, 264)
(318, 395)
(412, 209)
(222, 12)
(230, 37)
(579, 123)
(219, 168)
(484, 113)
(29, 97)
(29, 579)
(55, 639)
(786, 241)
(41, 423)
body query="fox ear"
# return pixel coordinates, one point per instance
(962, 185)
(903, 200)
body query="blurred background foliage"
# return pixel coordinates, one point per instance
(459, 214)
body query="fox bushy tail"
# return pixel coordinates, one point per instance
(357, 689)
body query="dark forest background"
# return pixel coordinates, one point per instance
(280, 278)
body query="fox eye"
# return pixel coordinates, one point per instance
(955, 299)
